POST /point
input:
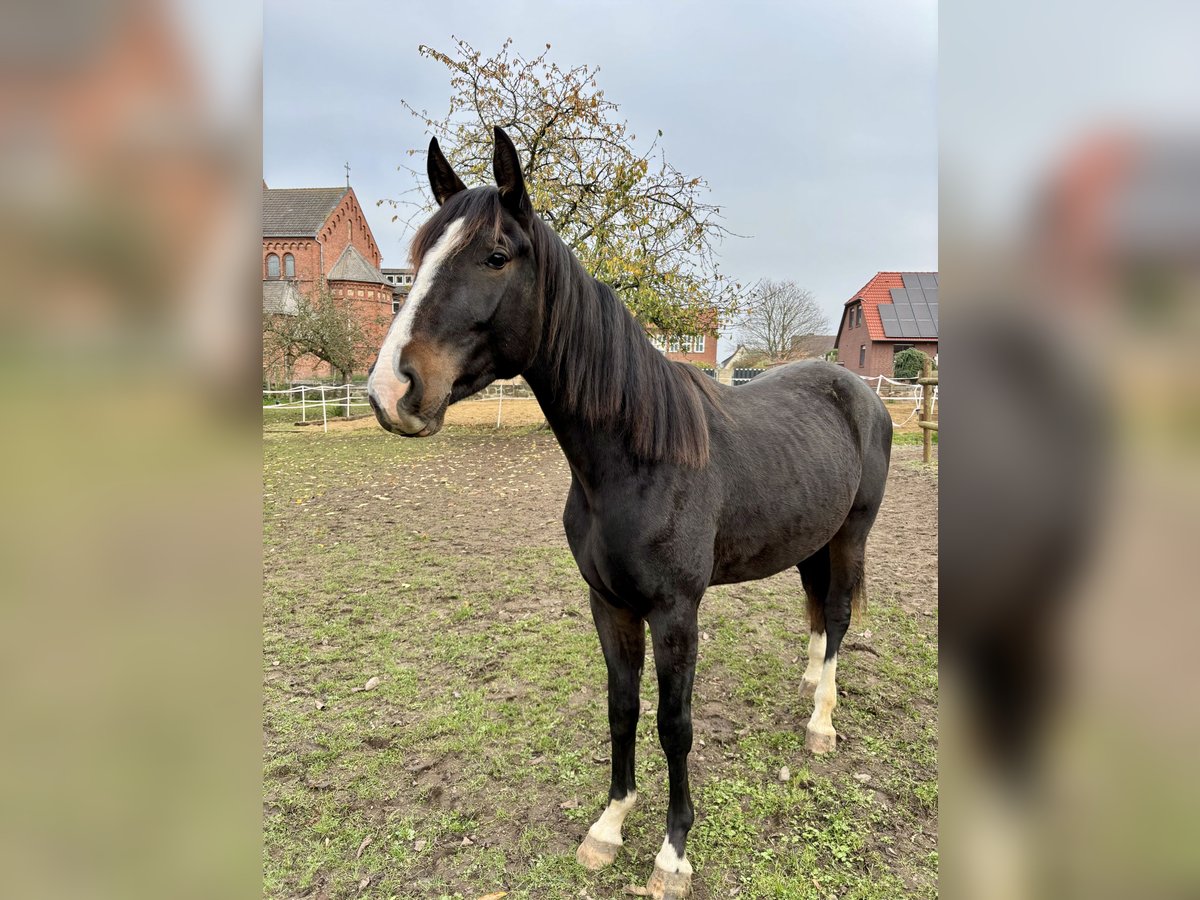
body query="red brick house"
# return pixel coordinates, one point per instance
(891, 312)
(694, 348)
(700, 349)
(315, 235)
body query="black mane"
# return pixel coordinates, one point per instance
(603, 366)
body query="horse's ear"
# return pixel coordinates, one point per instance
(507, 167)
(442, 179)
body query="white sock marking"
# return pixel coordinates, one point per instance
(385, 383)
(669, 861)
(608, 827)
(816, 657)
(826, 698)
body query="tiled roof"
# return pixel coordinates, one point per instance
(809, 345)
(353, 266)
(879, 291)
(298, 212)
(280, 298)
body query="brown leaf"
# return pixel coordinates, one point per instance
(496, 896)
(362, 847)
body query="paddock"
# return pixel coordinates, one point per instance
(434, 699)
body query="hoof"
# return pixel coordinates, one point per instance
(820, 742)
(669, 885)
(807, 688)
(594, 855)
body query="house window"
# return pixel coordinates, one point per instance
(900, 348)
(858, 315)
(396, 304)
(862, 356)
(272, 265)
(673, 347)
(289, 265)
(685, 343)
(698, 344)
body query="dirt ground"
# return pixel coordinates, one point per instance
(434, 700)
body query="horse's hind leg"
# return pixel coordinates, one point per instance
(814, 574)
(846, 590)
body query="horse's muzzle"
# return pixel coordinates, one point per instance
(388, 401)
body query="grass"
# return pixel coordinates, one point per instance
(479, 760)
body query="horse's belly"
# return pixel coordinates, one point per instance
(757, 543)
(741, 561)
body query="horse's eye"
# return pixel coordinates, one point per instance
(497, 261)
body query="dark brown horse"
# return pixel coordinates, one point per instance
(677, 482)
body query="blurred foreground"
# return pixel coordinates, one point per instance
(1071, 254)
(129, 188)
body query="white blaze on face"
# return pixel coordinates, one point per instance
(385, 383)
(608, 827)
(670, 861)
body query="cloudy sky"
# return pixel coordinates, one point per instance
(813, 122)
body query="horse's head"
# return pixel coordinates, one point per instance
(473, 314)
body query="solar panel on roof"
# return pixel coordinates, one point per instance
(929, 280)
(887, 316)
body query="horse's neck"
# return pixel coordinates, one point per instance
(592, 450)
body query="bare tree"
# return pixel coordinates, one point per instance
(327, 326)
(776, 313)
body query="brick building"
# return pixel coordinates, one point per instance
(892, 312)
(401, 281)
(694, 348)
(314, 237)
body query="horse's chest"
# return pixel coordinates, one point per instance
(633, 556)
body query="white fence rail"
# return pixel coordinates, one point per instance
(314, 400)
(900, 390)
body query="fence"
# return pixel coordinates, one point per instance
(314, 400)
(929, 385)
(741, 376)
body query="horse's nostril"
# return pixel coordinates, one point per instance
(415, 385)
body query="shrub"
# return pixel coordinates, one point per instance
(908, 363)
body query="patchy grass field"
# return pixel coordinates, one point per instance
(477, 760)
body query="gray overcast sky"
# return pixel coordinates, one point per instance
(814, 123)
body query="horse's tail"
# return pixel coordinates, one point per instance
(815, 576)
(858, 593)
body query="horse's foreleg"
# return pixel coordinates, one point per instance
(674, 635)
(623, 639)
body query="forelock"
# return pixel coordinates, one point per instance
(478, 208)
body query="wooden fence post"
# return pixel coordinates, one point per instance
(927, 381)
